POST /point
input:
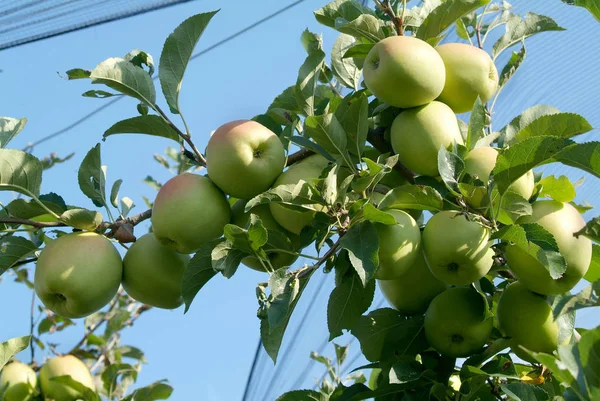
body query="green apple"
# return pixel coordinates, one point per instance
(411, 293)
(458, 251)
(456, 322)
(527, 318)
(399, 245)
(67, 365)
(404, 71)
(470, 72)
(244, 158)
(561, 220)
(418, 134)
(152, 273)
(189, 211)
(20, 381)
(78, 274)
(480, 162)
(277, 259)
(305, 170)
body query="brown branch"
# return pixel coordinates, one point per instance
(199, 158)
(307, 270)
(386, 7)
(298, 156)
(32, 223)
(375, 138)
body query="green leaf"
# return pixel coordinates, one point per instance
(417, 197)
(111, 374)
(308, 79)
(114, 193)
(560, 189)
(515, 61)
(353, 115)
(303, 395)
(443, 16)
(126, 78)
(563, 125)
(197, 273)
(250, 240)
(20, 172)
(311, 41)
(341, 353)
(9, 128)
(176, 54)
(30, 209)
(344, 9)
(359, 51)
(327, 131)
(374, 215)
(451, 167)
(362, 244)
(284, 290)
(345, 69)
(348, 301)
(148, 125)
(512, 207)
(584, 156)
(523, 120)
(518, 29)
(92, 177)
(84, 392)
(519, 391)
(589, 357)
(593, 273)
(476, 124)
(140, 58)
(98, 94)
(78, 73)
(289, 194)
(155, 391)
(226, 258)
(126, 205)
(82, 219)
(307, 143)
(364, 28)
(593, 6)
(10, 348)
(406, 370)
(586, 298)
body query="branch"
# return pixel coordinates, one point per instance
(186, 137)
(375, 138)
(386, 7)
(298, 156)
(32, 223)
(307, 270)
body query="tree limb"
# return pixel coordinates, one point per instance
(375, 138)
(298, 156)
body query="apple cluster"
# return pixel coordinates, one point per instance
(20, 382)
(431, 272)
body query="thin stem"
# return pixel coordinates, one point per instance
(32, 326)
(478, 26)
(402, 16)
(302, 255)
(185, 136)
(308, 270)
(298, 156)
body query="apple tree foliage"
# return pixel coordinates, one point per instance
(329, 111)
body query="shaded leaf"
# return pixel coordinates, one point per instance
(303, 395)
(362, 244)
(563, 125)
(20, 172)
(353, 116)
(417, 197)
(344, 9)
(9, 128)
(345, 69)
(92, 177)
(308, 79)
(197, 273)
(593, 6)
(82, 219)
(515, 61)
(12, 347)
(593, 273)
(155, 391)
(13, 249)
(148, 124)
(125, 78)
(477, 122)
(444, 15)
(524, 119)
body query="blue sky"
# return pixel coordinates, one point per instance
(208, 351)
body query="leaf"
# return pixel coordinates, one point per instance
(443, 16)
(593, 273)
(126, 78)
(417, 197)
(140, 58)
(512, 207)
(111, 374)
(476, 124)
(226, 258)
(584, 156)
(524, 392)
(364, 28)
(374, 215)
(303, 395)
(515, 61)
(92, 177)
(30, 209)
(347, 302)
(593, 6)
(560, 189)
(308, 79)
(359, 51)
(176, 54)
(20, 172)
(563, 125)
(84, 392)
(197, 273)
(148, 125)
(353, 116)
(589, 356)
(289, 194)
(12, 347)
(307, 143)
(114, 193)
(126, 205)
(98, 94)
(250, 240)
(78, 73)
(326, 131)
(362, 244)
(284, 290)
(155, 391)
(451, 167)
(9, 128)
(586, 298)
(82, 219)
(523, 120)
(344, 9)
(345, 69)
(518, 29)
(311, 41)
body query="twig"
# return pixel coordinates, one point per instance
(298, 156)
(32, 223)
(307, 270)
(186, 137)
(386, 7)
(32, 326)
(113, 304)
(375, 138)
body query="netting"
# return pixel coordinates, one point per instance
(24, 21)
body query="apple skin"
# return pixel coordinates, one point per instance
(417, 135)
(480, 162)
(404, 71)
(244, 158)
(17, 375)
(67, 365)
(305, 170)
(78, 274)
(470, 72)
(412, 292)
(152, 273)
(189, 211)
(242, 219)
(399, 245)
(455, 322)
(562, 220)
(527, 318)
(458, 251)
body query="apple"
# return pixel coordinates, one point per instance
(418, 134)
(277, 259)
(527, 318)
(152, 273)
(78, 274)
(412, 292)
(244, 158)
(561, 220)
(189, 211)
(470, 72)
(404, 71)
(399, 245)
(20, 381)
(305, 170)
(480, 162)
(67, 365)
(458, 251)
(456, 322)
